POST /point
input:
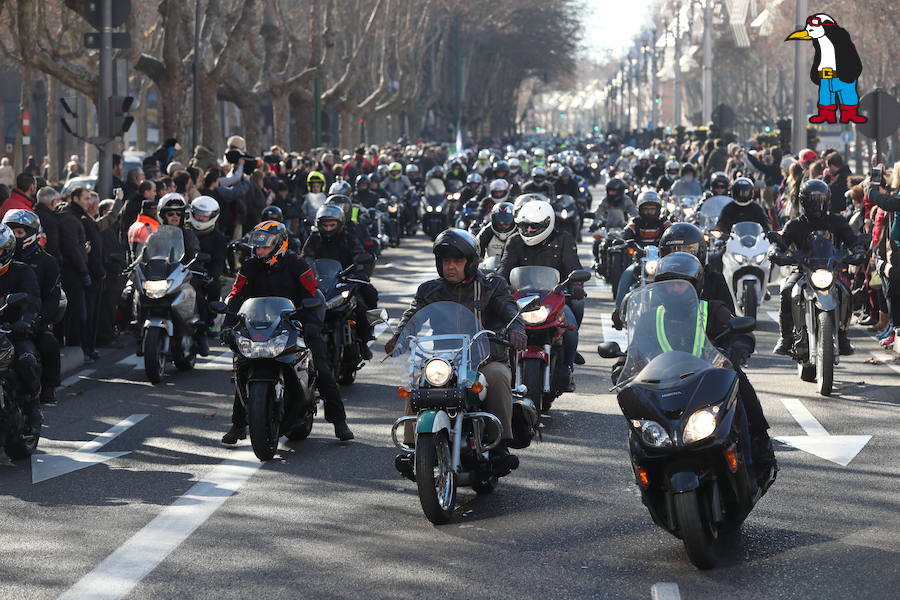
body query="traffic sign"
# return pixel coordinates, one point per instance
(846, 137)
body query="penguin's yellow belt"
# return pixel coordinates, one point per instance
(827, 74)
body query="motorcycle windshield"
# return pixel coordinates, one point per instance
(265, 312)
(327, 271)
(166, 243)
(666, 345)
(435, 187)
(747, 232)
(438, 329)
(712, 207)
(534, 279)
(316, 201)
(821, 253)
(687, 201)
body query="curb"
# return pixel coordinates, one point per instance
(71, 359)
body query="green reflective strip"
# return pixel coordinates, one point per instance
(699, 331)
(355, 213)
(661, 329)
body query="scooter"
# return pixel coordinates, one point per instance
(687, 432)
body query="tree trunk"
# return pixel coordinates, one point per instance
(251, 118)
(140, 116)
(281, 118)
(303, 112)
(52, 129)
(210, 126)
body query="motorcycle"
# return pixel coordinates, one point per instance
(166, 303)
(469, 215)
(412, 212)
(390, 208)
(453, 435)
(540, 368)
(16, 438)
(435, 218)
(339, 328)
(687, 432)
(379, 226)
(707, 214)
(274, 374)
(745, 264)
(820, 301)
(568, 216)
(682, 208)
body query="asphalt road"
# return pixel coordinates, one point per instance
(180, 515)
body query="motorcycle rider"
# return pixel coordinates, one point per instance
(19, 277)
(204, 212)
(457, 171)
(332, 240)
(146, 224)
(539, 183)
(483, 162)
(171, 210)
(687, 184)
(516, 175)
(314, 199)
(276, 271)
(565, 184)
(363, 195)
(616, 208)
(474, 189)
(815, 202)
(665, 182)
(26, 226)
(498, 191)
(580, 169)
(492, 240)
(642, 168)
(413, 174)
(718, 185)
(741, 208)
(538, 243)
(459, 280)
(646, 229)
(737, 347)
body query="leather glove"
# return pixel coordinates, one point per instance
(21, 328)
(577, 291)
(518, 339)
(617, 320)
(226, 336)
(86, 281)
(390, 345)
(594, 227)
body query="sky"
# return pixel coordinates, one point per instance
(611, 25)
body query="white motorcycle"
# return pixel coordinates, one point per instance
(745, 265)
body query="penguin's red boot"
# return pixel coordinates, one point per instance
(827, 114)
(849, 114)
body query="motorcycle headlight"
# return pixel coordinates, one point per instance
(740, 259)
(392, 208)
(688, 212)
(652, 433)
(156, 288)
(438, 208)
(564, 214)
(700, 425)
(650, 267)
(536, 317)
(265, 349)
(822, 279)
(429, 208)
(759, 258)
(438, 372)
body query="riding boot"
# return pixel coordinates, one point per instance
(342, 431)
(237, 432)
(849, 114)
(845, 348)
(785, 342)
(502, 462)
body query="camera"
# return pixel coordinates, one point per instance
(233, 156)
(876, 176)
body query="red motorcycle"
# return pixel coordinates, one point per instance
(540, 367)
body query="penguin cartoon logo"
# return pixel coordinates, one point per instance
(835, 68)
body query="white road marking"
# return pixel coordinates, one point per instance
(122, 570)
(840, 449)
(132, 361)
(72, 379)
(48, 466)
(610, 334)
(887, 360)
(665, 591)
(773, 315)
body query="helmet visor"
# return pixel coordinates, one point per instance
(262, 239)
(689, 248)
(529, 229)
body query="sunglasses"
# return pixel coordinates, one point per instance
(817, 22)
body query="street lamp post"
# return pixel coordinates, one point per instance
(707, 61)
(654, 81)
(677, 79)
(798, 124)
(642, 66)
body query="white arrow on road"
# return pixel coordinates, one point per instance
(48, 466)
(840, 449)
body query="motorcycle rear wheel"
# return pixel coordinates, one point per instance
(825, 354)
(435, 478)
(615, 272)
(750, 304)
(697, 535)
(154, 357)
(263, 421)
(533, 378)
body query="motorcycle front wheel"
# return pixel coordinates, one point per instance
(750, 303)
(262, 419)
(435, 478)
(19, 445)
(615, 272)
(697, 535)
(154, 354)
(825, 354)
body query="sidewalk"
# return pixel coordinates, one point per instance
(71, 359)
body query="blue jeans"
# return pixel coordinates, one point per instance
(834, 91)
(625, 283)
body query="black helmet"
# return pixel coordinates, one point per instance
(26, 220)
(683, 237)
(343, 202)
(503, 221)
(329, 212)
(649, 198)
(680, 265)
(688, 167)
(362, 180)
(815, 198)
(501, 165)
(7, 248)
(719, 179)
(742, 191)
(456, 243)
(615, 186)
(272, 213)
(270, 233)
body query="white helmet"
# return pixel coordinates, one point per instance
(205, 207)
(628, 151)
(502, 187)
(535, 221)
(673, 165)
(514, 164)
(539, 152)
(171, 201)
(483, 155)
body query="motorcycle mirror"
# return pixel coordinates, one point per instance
(528, 303)
(363, 259)
(218, 307)
(742, 324)
(377, 316)
(609, 350)
(312, 302)
(580, 276)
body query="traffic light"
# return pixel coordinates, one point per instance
(657, 100)
(767, 129)
(74, 118)
(562, 115)
(119, 119)
(784, 132)
(596, 128)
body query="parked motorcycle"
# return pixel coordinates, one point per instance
(274, 374)
(688, 435)
(540, 368)
(745, 265)
(339, 329)
(166, 304)
(15, 430)
(453, 436)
